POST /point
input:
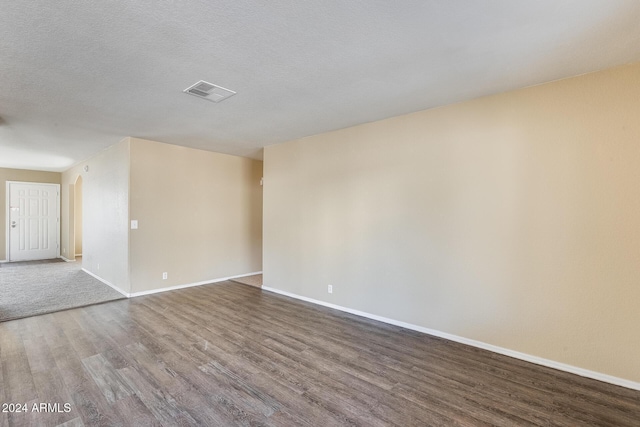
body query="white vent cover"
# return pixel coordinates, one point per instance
(209, 91)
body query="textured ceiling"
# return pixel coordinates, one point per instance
(77, 76)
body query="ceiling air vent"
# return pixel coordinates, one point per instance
(209, 91)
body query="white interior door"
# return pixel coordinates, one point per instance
(33, 221)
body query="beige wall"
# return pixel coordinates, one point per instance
(78, 216)
(199, 215)
(512, 219)
(18, 175)
(105, 214)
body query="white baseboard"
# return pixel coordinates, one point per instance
(189, 285)
(479, 344)
(78, 254)
(106, 282)
(3, 261)
(170, 288)
(67, 259)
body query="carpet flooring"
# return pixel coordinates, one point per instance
(23, 263)
(29, 289)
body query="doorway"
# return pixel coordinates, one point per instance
(33, 226)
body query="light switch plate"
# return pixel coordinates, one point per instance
(134, 224)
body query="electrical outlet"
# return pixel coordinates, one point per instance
(165, 276)
(98, 266)
(330, 289)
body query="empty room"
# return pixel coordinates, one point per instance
(330, 213)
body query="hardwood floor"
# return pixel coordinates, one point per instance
(230, 354)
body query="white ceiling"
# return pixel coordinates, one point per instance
(77, 76)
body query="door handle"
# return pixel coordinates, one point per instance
(13, 224)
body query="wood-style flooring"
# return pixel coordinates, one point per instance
(230, 354)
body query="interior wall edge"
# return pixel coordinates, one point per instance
(106, 282)
(190, 285)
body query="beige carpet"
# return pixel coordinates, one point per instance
(32, 288)
(23, 263)
(255, 280)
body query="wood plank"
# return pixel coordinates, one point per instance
(135, 413)
(17, 380)
(25, 417)
(112, 385)
(154, 369)
(85, 395)
(49, 383)
(76, 422)
(159, 402)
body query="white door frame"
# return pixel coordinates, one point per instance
(8, 215)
